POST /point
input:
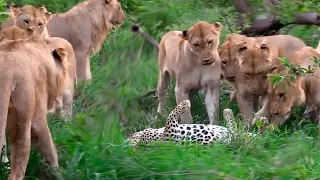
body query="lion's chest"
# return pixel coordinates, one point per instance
(197, 77)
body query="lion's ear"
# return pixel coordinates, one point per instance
(107, 1)
(48, 16)
(15, 10)
(45, 12)
(265, 50)
(242, 51)
(217, 26)
(184, 35)
(43, 9)
(59, 54)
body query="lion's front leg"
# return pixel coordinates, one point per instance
(212, 101)
(181, 95)
(264, 111)
(245, 106)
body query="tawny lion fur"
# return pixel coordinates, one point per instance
(32, 76)
(191, 58)
(288, 95)
(86, 26)
(256, 57)
(63, 106)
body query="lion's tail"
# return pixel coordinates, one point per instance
(5, 92)
(151, 40)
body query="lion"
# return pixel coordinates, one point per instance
(228, 52)
(28, 17)
(32, 75)
(257, 57)
(289, 94)
(86, 26)
(64, 102)
(191, 58)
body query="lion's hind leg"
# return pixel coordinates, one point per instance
(19, 131)
(42, 141)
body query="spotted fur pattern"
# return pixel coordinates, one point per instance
(201, 133)
(146, 136)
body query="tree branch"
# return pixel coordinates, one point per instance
(242, 7)
(272, 24)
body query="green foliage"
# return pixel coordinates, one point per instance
(55, 6)
(293, 71)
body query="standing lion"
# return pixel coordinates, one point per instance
(191, 58)
(86, 26)
(32, 76)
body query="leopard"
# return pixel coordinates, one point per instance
(205, 134)
(146, 136)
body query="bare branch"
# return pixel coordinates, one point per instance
(242, 7)
(272, 24)
(307, 18)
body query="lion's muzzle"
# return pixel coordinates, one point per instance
(207, 61)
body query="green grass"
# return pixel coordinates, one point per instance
(109, 108)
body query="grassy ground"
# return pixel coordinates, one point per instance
(92, 145)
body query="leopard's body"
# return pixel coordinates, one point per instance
(201, 133)
(204, 134)
(146, 136)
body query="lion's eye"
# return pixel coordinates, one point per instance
(224, 62)
(247, 74)
(197, 45)
(281, 95)
(210, 42)
(40, 24)
(26, 21)
(260, 73)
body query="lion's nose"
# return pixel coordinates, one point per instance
(275, 112)
(207, 61)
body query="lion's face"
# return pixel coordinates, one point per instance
(255, 62)
(116, 14)
(289, 94)
(203, 39)
(228, 63)
(228, 55)
(283, 98)
(29, 17)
